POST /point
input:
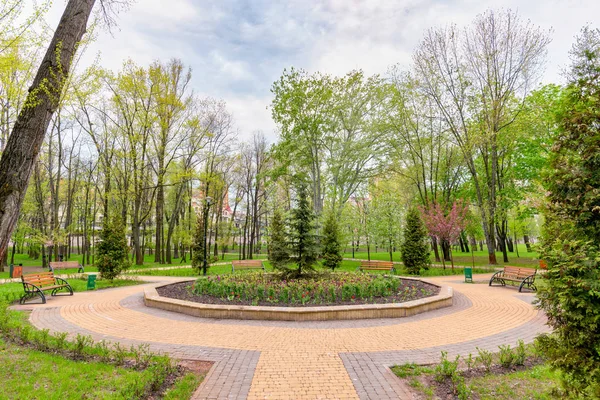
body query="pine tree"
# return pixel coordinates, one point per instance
(279, 253)
(415, 250)
(113, 251)
(199, 242)
(303, 243)
(332, 248)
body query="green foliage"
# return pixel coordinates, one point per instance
(485, 358)
(279, 253)
(332, 248)
(113, 251)
(255, 288)
(570, 295)
(303, 241)
(506, 356)
(198, 246)
(415, 250)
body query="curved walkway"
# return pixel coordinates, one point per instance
(277, 360)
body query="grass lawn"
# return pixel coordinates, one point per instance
(538, 382)
(525, 259)
(14, 291)
(32, 374)
(347, 266)
(148, 262)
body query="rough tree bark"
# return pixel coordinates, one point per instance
(25, 142)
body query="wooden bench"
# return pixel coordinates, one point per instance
(54, 265)
(522, 275)
(36, 284)
(247, 264)
(377, 266)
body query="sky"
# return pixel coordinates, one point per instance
(237, 49)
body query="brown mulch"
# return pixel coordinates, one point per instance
(182, 291)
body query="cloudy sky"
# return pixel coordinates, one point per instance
(236, 49)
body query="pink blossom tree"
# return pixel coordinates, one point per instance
(445, 226)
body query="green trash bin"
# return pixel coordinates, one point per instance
(91, 283)
(468, 274)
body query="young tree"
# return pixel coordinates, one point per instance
(303, 243)
(112, 249)
(279, 253)
(332, 248)
(446, 226)
(570, 296)
(415, 250)
(198, 246)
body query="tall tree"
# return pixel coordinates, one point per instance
(570, 296)
(478, 78)
(24, 144)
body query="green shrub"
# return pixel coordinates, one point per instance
(113, 252)
(279, 253)
(332, 248)
(414, 249)
(506, 356)
(485, 358)
(570, 295)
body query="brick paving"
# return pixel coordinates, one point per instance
(297, 360)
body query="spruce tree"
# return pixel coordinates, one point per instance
(570, 295)
(199, 242)
(303, 243)
(279, 253)
(332, 248)
(415, 250)
(113, 252)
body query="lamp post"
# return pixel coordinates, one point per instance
(207, 203)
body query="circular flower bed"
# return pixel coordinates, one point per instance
(324, 289)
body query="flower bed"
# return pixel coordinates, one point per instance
(326, 289)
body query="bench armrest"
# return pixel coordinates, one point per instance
(26, 288)
(59, 280)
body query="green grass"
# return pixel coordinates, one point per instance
(463, 259)
(14, 291)
(148, 262)
(538, 382)
(27, 373)
(460, 259)
(347, 266)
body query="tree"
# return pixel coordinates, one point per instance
(303, 243)
(446, 226)
(570, 296)
(332, 248)
(279, 253)
(478, 79)
(112, 251)
(25, 142)
(199, 244)
(415, 250)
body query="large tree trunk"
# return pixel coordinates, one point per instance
(25, 142)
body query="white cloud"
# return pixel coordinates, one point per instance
(238, 48)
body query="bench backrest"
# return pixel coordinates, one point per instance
(377, 264)
(40, 279)
(64, 264)
(519, 272)
(247, 263)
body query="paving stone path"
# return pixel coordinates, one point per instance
(301, 360)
